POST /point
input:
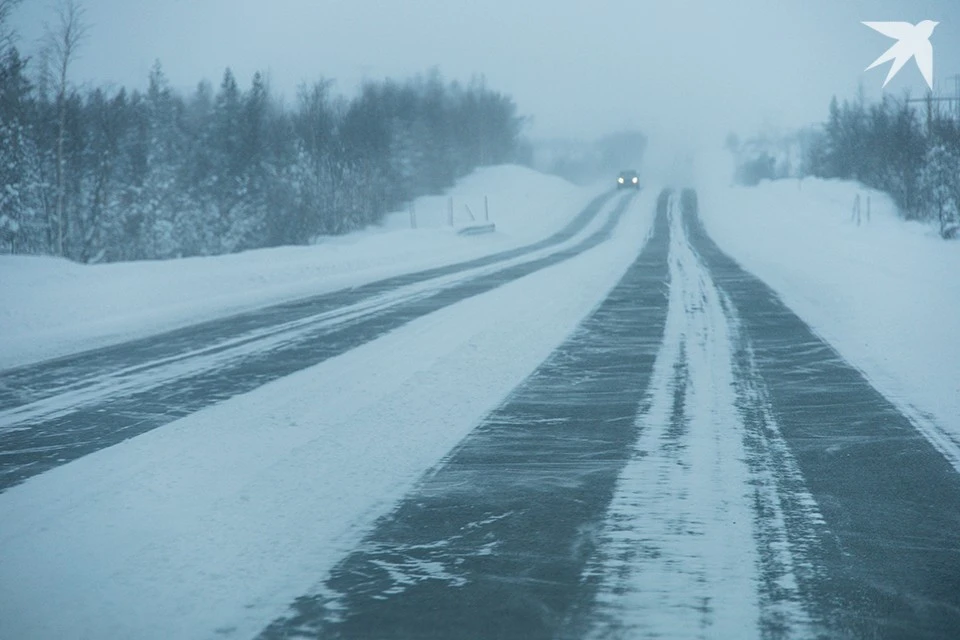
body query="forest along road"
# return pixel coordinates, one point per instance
(54, 412)
(694, 461)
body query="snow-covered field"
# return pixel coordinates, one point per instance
(52, 306)
(885, 293)
(209, 526)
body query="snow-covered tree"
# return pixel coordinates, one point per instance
(21, 216)
(940, 183)
(103, 174)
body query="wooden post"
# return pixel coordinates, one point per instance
(486, 210)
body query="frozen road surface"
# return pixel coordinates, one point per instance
(616, 432)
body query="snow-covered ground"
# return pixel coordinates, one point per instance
(211, 525)
(52, 306)
(885, 293)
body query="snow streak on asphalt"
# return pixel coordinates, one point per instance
(122, 394)
(695, 543)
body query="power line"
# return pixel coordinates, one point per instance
(953, 102)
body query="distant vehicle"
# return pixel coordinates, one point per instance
(628, 178)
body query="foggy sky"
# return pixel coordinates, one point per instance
(581, 69)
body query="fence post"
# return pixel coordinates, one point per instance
(450, 211)
(486, 210)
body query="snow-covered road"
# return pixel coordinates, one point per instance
(53, 413)
(218, 519)
(619, 433)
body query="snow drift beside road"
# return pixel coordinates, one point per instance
(885, 294)
(54, 307)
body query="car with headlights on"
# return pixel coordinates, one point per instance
(628, 179)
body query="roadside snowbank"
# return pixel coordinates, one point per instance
(885, 294)
(52, 306)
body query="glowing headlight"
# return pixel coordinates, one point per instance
(636, 180)
(620, 180)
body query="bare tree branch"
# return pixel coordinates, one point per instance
(6, 31)
(65, 41)
(63, 44)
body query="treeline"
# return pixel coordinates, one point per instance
(104, 175)
(914, 156)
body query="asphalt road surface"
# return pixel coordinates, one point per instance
(693, 461)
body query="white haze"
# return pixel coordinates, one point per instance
(684, 70)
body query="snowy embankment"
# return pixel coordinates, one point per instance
(211, 525)
(54, 307)
(885, 293)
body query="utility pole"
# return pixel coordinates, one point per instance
(956, 92)
(952, 102)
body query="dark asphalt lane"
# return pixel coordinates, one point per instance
(887, 560)
(493, 542)
(70, 434)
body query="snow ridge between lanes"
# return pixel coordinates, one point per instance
(684, 552)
